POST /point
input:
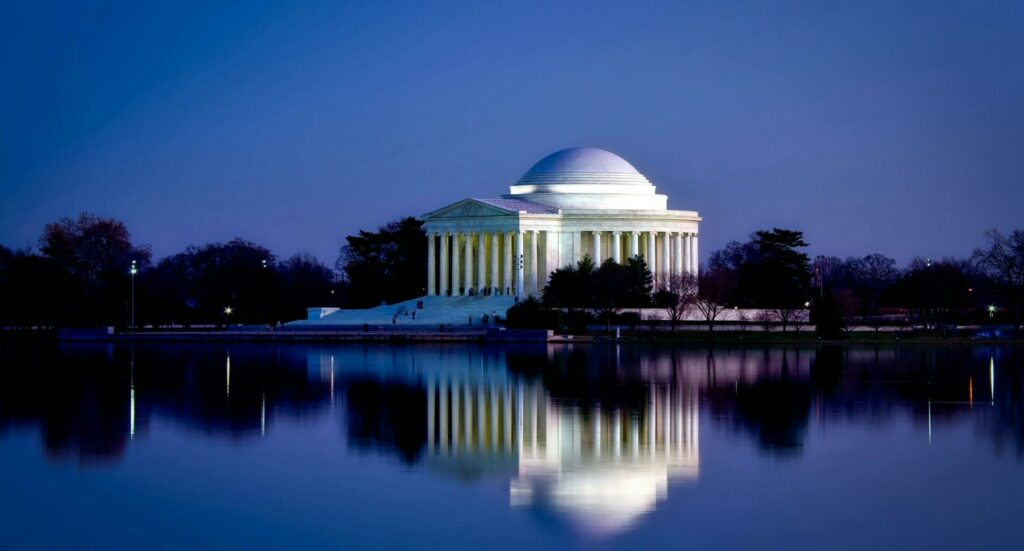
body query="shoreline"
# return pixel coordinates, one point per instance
(477, 336)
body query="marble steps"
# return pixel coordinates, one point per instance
(435, 311)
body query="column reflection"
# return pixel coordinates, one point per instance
(599, 467)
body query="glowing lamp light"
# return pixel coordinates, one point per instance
(227, 310)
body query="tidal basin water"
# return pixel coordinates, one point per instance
(511, 447)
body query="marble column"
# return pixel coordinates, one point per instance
(542, 259)
(506, 280)
(467, 276)
(533, 263)
(634, 244)
(652, 249)
(597, 248)
(431, 263)
(677, 254)
(443, 290)
(456, 265)
(519, 262)
(694, 258)
(481, 265)
(670, 249)
(494, 263)
(617, 247)
(663, 265)
(686, 252)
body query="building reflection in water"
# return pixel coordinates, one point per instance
(598, 465)
(591, 435)
(606, 468)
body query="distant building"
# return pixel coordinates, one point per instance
(483, 253)
(572, 203)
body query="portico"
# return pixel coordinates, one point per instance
(573, 203)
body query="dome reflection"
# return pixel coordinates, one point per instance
(600, 469)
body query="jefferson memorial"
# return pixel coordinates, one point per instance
(572, 203)
(483, 254)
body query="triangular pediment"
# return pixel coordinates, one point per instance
(468, 208)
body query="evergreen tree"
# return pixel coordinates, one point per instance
(775, 274)
(386, 265)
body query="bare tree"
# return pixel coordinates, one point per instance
(676, 296)
(714, 288)
(1003, 259)
(788, 316)
(743, 318)
(873, 274)
(767, 319)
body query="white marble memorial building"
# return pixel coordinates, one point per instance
(575, 202)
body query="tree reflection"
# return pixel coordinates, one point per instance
(88, 401)
(388, 416)
(773, 406)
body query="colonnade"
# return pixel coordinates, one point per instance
(665, 252)
(485, 263)
(516, 262)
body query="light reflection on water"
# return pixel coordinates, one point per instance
(601, 468)
(598, 441)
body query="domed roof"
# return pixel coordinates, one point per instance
(582, 165)
(583, 159)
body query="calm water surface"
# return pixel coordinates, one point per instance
(512, 447)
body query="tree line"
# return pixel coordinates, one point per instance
(80, 273)
(771, 272)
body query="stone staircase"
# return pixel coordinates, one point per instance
(455, 311)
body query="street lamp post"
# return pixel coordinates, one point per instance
(134, 270)
(264, 291)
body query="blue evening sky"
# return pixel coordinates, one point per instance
(873, 126)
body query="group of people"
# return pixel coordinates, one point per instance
(407, 313)
(485, 319)
(486, 291)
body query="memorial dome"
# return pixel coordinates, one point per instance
(583, 165)
(586, 178)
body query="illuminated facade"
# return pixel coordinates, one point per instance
(602, 468)
(573, 203)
